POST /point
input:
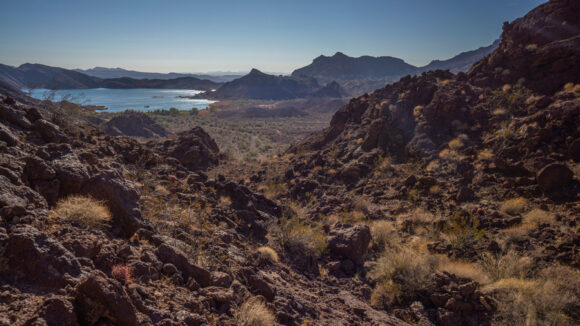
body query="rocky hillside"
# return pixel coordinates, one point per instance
(461, 62)
(260, 86)
(469, 182)
(441, 199)
(101, 230)
(41, 76)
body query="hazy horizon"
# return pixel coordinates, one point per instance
(186, 37)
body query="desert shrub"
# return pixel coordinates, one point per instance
(268, 254)
(509, 265)
(122, 273)
(412, 220)
(465, 270)
(463, 230)
(485, 155)
(410, 272)
(383, 163)
(385, 294)
(254, 312)
(384, 234)
(457, 143)
(538, 217)
(514, 206)
(299, 237)
(531, 302)
(82, 211)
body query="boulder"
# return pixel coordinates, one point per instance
(121, 196)
(349, 241)
(55, 312)
(574, 150)
(34, 257)
(553, 177)
(135, 124)
(172, 255)
(50, 132)
(98, 297)
(464, 194)
(194, 149)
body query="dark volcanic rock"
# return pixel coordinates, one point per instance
(194, 149)
(134, 124)
(172, 255)
(349, 241)
(554, 177)
(540, 50)
(99, 297)
(34, 257)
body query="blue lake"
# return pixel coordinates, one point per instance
(117, 100)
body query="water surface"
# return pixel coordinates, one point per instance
(117, 100)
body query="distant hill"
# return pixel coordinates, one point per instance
(342, 67)
(258, 85)
(366, 73)
(41, 76)
(462, 61)
(107, 73)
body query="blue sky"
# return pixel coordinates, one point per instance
(223, 35)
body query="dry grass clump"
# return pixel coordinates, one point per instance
(403, 274)
(539, 217)
(384, 234)
(83, 211)
(417, 218)
(268, 254)
(301, 238)
(533, 302)
(509, 265)
(254, 312)
(465, 270)
(450, 155)
(514, 206)
(457, 143)
(485, 155)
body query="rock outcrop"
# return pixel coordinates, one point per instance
(135, 124)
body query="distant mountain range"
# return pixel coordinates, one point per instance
(41, 76)
(106, 73)
(343, 76)
(366, 73)
(258, 85)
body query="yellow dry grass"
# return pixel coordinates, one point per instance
(83, 211)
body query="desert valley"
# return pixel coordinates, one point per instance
(351, 191)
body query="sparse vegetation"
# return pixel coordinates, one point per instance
(122, 273)
(82, 211)
(299, 237)
(268, 254)
(539, 217)
(514, 206)
(402, 274)
(463, 230)
(384, 233)
(254, 312)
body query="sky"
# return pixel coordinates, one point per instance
(237, 35)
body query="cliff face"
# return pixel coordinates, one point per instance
(540, 50)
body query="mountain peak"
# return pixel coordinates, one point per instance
(339, 55)
(255, 71)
